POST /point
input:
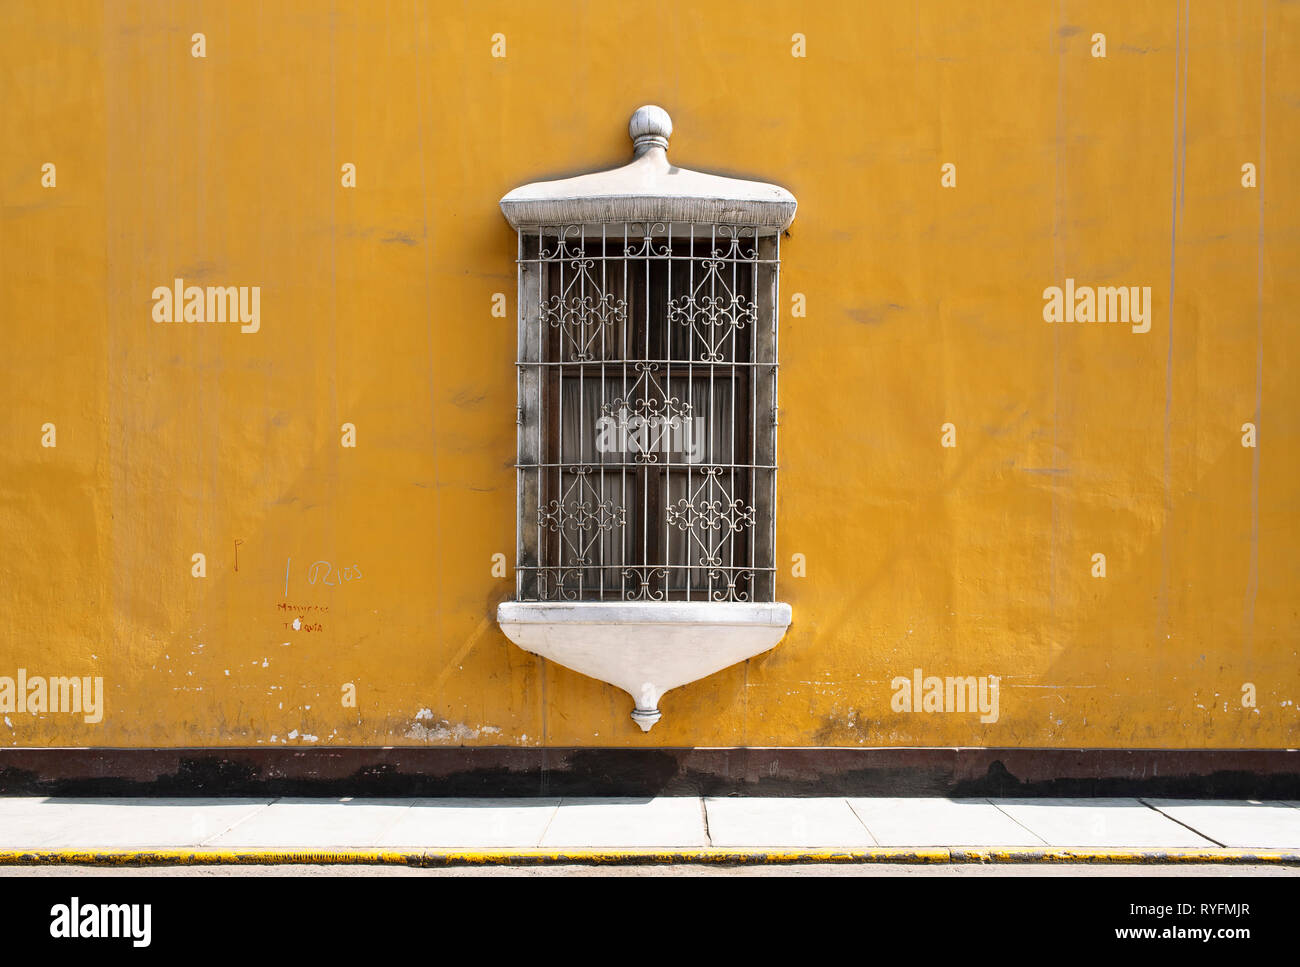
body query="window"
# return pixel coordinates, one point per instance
(647, 388)
(647, 421)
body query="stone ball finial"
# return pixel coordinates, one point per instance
(650, 127)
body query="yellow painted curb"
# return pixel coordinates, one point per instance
(624, 857)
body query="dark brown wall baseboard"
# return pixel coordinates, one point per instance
(491, 771)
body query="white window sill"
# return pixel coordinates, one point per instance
(645, 647)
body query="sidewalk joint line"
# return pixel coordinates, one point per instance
(550, 819)
(858, 816)
(397, 818)
(1018, 822)
(1183, 824)
(243, 819)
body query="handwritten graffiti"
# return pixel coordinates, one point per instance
(322, 571)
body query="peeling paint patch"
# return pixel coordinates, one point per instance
(444, 731)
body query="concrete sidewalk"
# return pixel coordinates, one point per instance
(556, 830)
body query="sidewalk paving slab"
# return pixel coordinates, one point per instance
(118, 823)
(1248, 825)
(668, 822)
(793, 823)
(940, 822)
(1101, 822)
(665, 821)
(315, 824)
(471, 823)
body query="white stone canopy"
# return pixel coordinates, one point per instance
(650, 189)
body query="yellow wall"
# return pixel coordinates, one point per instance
(924, 307)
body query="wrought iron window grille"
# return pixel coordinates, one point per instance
(647, 385)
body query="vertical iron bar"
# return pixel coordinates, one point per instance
(597, 455)
(624, 352)
(731, 457)
(687, 570)
(667, 416)
(753, 419)
(776, 360)
(579, 363)
(644, 471)
(519, 423)
(543, 275)
(713, 302)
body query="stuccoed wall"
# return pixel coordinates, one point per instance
(924, 306)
